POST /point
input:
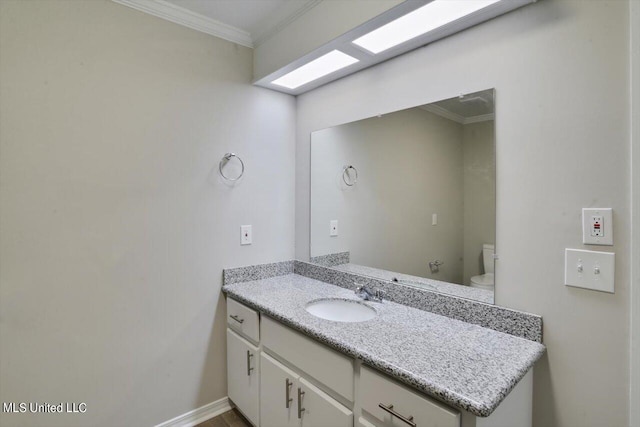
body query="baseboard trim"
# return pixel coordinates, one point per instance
(199, 415)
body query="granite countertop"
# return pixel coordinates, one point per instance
(462, 291)
(467, 366)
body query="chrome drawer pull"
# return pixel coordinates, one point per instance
(236, 318)
(401, 417)
(249, 368)
(287, 393)
(300, 408)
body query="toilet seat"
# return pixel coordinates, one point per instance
(484, 281)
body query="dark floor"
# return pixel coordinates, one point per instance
(231, 418)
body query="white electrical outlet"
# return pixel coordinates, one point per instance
(589, 269)
(333, 228)
(245, 235)
(597, 226)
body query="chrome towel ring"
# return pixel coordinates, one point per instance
(225, 159)
(346, 176)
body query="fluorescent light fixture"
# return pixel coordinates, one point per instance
(319, 67)
(422, 20)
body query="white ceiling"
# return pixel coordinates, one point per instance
(259, 18)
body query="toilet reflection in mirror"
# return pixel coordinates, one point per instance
(422, 212)
(486, 280)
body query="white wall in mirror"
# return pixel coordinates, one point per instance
(434, 164)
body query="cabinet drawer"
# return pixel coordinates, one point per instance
(376, 389)
(243, 320)
(322, 363)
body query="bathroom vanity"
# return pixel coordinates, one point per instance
(402, 367)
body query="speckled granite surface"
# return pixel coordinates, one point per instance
(467, 366)
(461, 291)
(255, 272)
(331, 260)
(513, 322)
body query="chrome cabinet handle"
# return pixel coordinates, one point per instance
(401, 417)
(249, 368)
(300, 408)
(287, 393)
(236, 318)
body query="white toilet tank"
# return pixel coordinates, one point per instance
(487, 257)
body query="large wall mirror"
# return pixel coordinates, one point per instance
(409, 196)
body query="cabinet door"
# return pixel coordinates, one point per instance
(243, 375)
(278, 388)
(319, 409)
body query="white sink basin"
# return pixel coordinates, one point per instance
(340, 310)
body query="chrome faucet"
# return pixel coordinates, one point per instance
(366, 294)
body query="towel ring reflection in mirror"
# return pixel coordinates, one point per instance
(226, 159)
(346, 176)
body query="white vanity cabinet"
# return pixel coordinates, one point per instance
(278, 377)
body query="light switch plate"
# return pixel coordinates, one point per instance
(589, 269)
(597, 226)
(333, 228)
(245, 235)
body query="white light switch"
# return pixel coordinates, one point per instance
(589, 269)
(597, 226)
(333, 228)
(245, 234)
(434, 219)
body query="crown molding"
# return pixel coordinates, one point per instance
(187, 18)
(443, 112)
(480, 118)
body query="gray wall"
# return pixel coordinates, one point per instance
(561, 73)
(115, 225)
(409, 161)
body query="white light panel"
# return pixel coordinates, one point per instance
(421, 21)
(326, 64)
